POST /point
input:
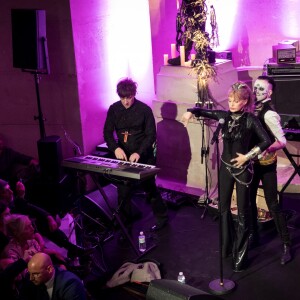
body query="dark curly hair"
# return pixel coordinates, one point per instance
(126, 88)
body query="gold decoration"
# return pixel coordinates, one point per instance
(194, 24)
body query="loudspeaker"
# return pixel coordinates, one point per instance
(50, 157)
(94, 205)
(28, 38)
(165, 289)
(286, 97)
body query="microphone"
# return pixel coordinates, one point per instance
(217, 132)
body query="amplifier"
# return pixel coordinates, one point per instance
(283, 70)
(291, 126)
(284, 53)
(290, 121)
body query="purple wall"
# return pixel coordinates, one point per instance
(92, 44)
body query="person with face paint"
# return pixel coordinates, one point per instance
(240, 125)
(134, 125)
(265, 166)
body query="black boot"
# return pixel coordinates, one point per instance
(281, 226)
(176, 61)
(188, 44)
(240, 247)
(286, 254)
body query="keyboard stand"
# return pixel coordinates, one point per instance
(115, 214)
(296, 171)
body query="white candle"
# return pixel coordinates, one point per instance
(166, 57)
(177, 4)
(182, 56)
(193, 56)
(173, 50)
(188, 63)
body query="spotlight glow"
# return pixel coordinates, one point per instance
(225, 24)
(128, 46)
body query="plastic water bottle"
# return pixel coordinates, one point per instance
(142, 242)
(181, 277)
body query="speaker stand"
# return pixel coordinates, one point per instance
(40, 116)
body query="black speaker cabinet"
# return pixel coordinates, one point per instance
(28, 37)
(93, 205)
(164, 289)
(50, 157)
(286, 97)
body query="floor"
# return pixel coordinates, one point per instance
(189, 243)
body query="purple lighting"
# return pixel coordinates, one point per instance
(128, 48)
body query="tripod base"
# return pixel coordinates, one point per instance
(217, 288)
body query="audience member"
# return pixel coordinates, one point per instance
(11, 280)
(4, 212)
(49, 282)
(9, 158)
(45, 223)
(22, 237)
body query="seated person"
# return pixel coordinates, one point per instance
(45, 223)
(10, 276)
(60, 284)
(4, 240)
(22, 237)
(10, 158)
(4, 212)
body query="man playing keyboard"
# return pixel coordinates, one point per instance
(133, 123)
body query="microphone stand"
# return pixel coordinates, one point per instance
(220, 286)
(204, 154)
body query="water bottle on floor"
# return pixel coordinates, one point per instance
(181, 277)
(142, 242)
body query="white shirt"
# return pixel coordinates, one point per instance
(49, 285)
(273, 122)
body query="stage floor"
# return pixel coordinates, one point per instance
(190, 243)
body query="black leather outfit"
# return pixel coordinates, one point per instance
(237, 135)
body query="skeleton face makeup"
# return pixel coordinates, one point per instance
(262, 89)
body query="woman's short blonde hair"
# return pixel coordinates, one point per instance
(15, 225)
(241, 91)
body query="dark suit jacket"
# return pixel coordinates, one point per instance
(67, 286)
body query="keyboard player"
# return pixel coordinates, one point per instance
(133, 124)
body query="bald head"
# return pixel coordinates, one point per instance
(40, 268)
(40, 259)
